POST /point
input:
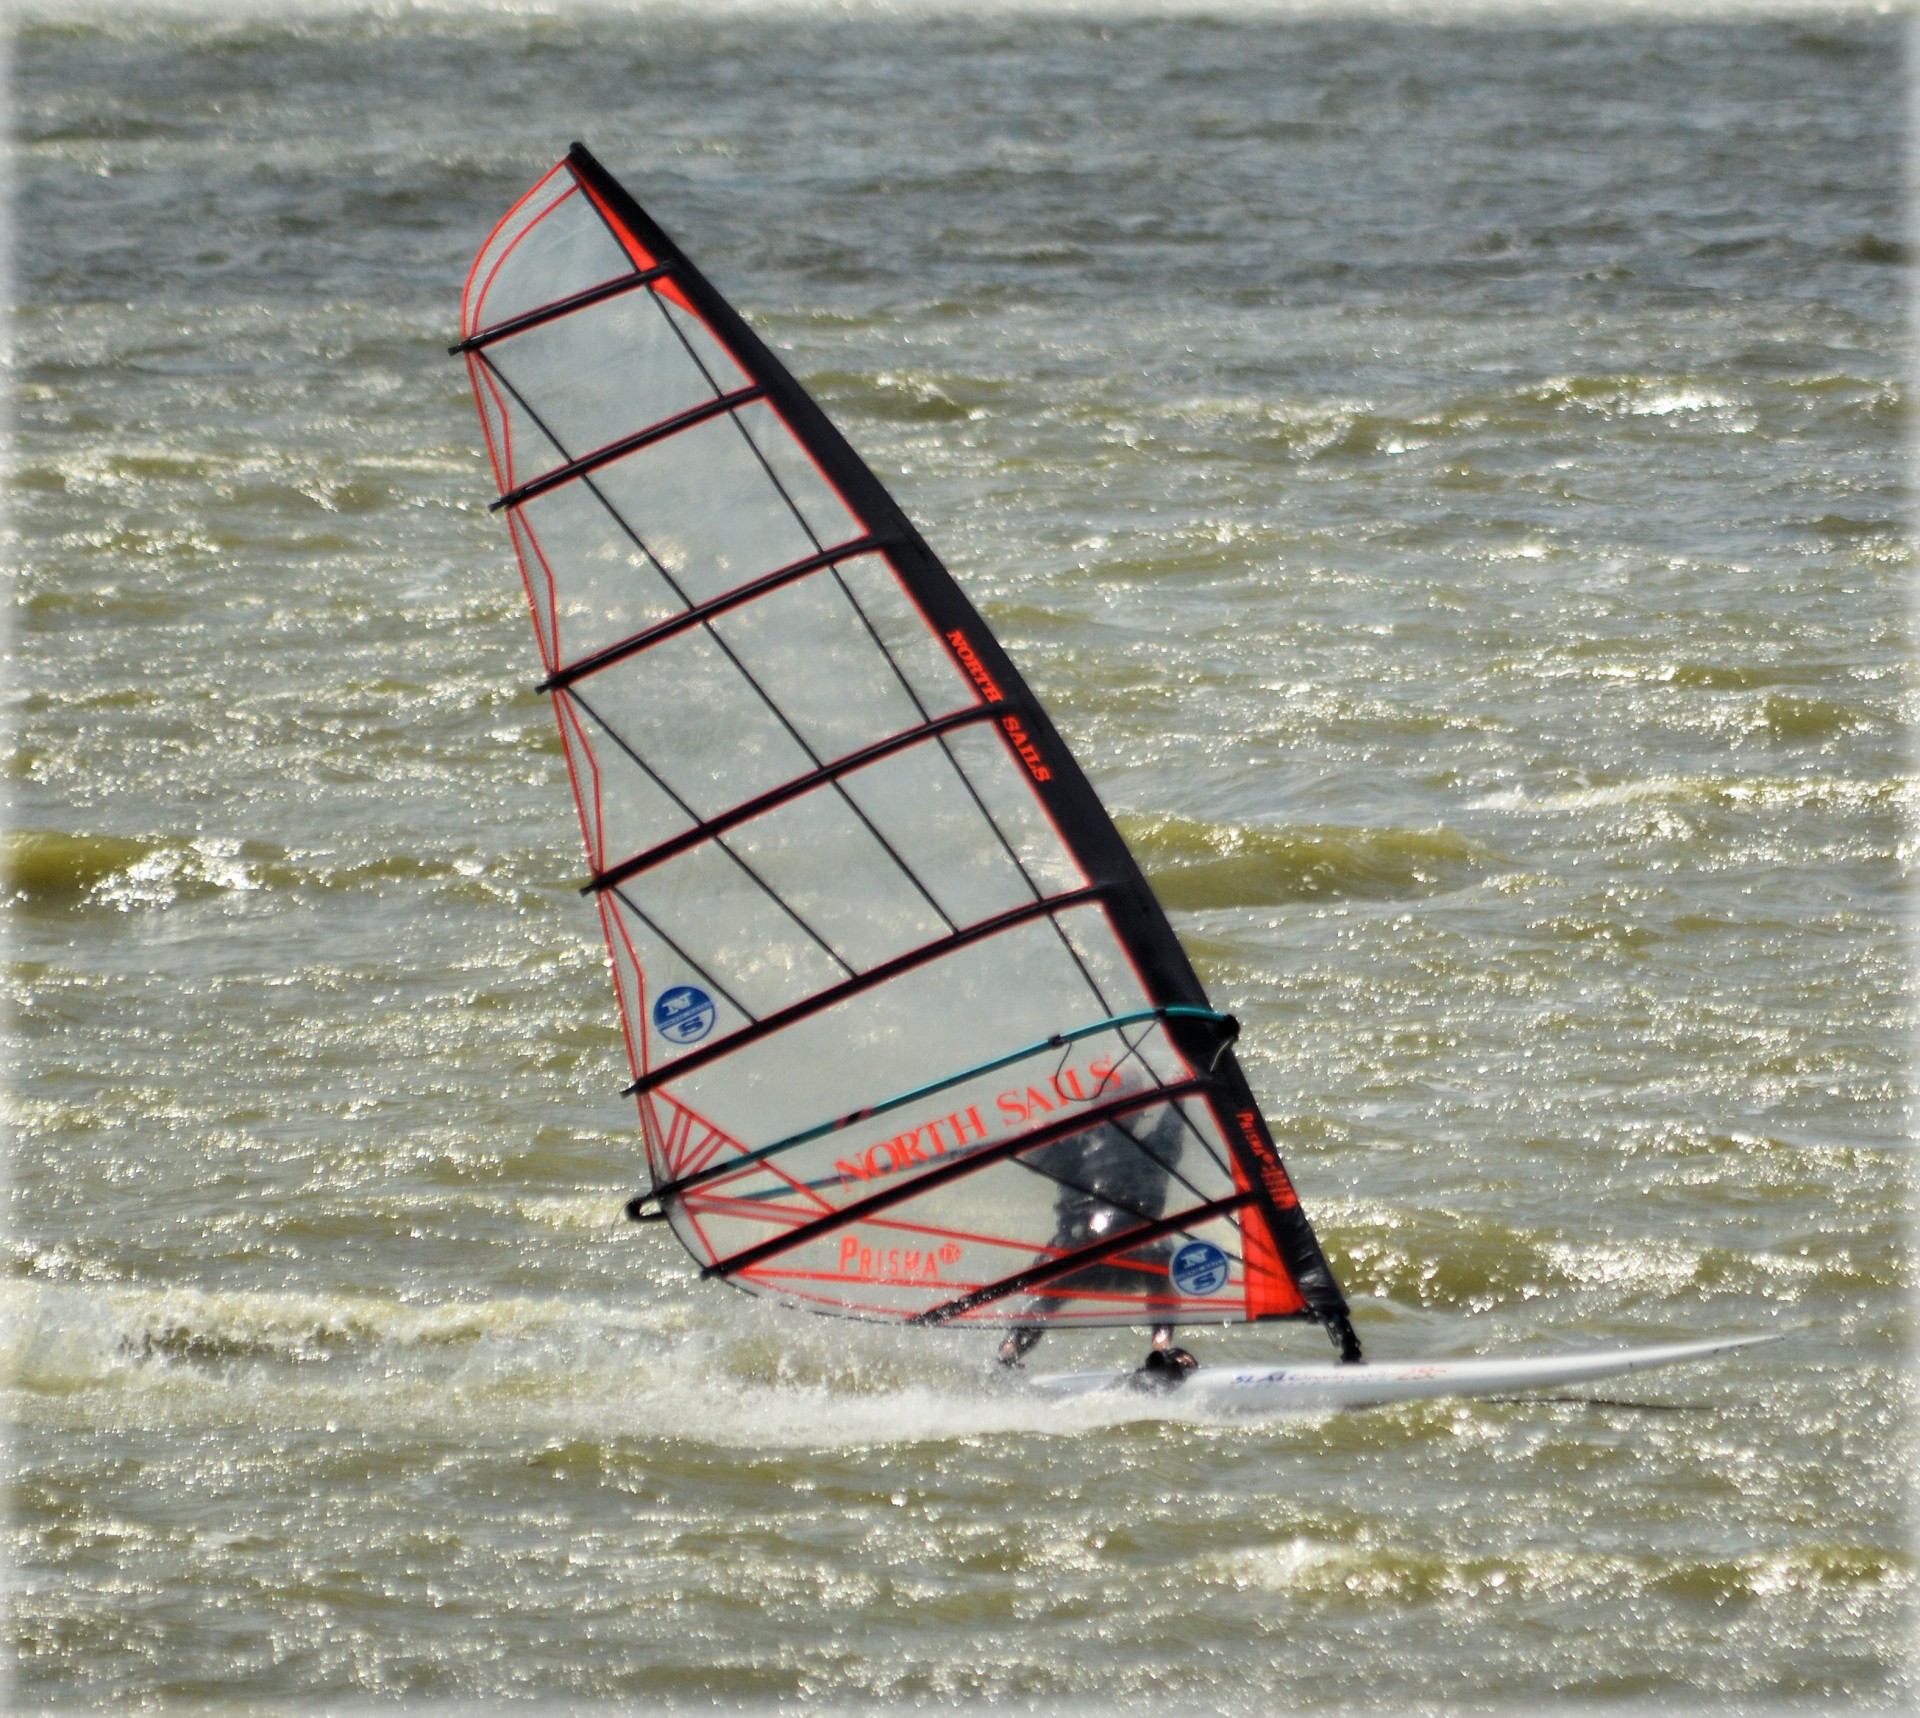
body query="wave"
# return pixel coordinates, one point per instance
(911, 396)
(42, 862)
(1367, 1567)
(731, 1374)
(52, 868)
(1256, 425)
(61, 1338)
(1465, 1262)
(1196, 866)
(1738, 793)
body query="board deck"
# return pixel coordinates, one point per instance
(1267, 1389)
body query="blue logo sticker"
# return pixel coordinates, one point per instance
(1199, 1268)
(684, 1014)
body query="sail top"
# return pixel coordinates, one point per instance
(911, 1038)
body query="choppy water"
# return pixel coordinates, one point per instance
(1446, 479)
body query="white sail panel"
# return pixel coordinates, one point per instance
(596, 374)
(975, 1003)
(934, 819)
(699, 723)
(820, 508)
(592, 584)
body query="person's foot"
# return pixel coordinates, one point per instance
(1163, 1369)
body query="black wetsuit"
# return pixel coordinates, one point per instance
(1110, 1179)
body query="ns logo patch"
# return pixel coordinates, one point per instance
(684, 1014)
(1199, 1268)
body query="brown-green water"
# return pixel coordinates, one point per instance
(1447, 480)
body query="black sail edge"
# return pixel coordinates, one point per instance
(1081, 818)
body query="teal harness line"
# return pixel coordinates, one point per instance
(636, 1206)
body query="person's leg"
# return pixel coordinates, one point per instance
(1019, 1342)
(1165, 1365)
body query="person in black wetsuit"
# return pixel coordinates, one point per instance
(1109, 1179)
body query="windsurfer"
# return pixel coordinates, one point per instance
(1105, 1176)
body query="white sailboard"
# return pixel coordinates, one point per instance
(911, 1038)
(1372, 1384)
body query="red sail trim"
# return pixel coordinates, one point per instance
(1270, 1292)
(725, 1205)
(709, 1148)
(1106, 1309)
(758, 1210)
(469, 301)
(473, 328)
(515, 243)
(616, 935)
(942, 1232)
(592, 823)
(544, 621)
(839, 1305)
(750, 1205)
(669, 290)
(680, 1129)
(500, 450)
(706, 1248)
(951, 1170)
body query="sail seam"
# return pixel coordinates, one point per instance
(726, 995)
(813, 757)
(800, 518)
(793, 507)
(753, 876)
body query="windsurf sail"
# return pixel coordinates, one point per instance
(911, 1038)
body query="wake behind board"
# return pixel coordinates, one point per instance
(1314, 1387)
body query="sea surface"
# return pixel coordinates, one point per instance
(1446, 474)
